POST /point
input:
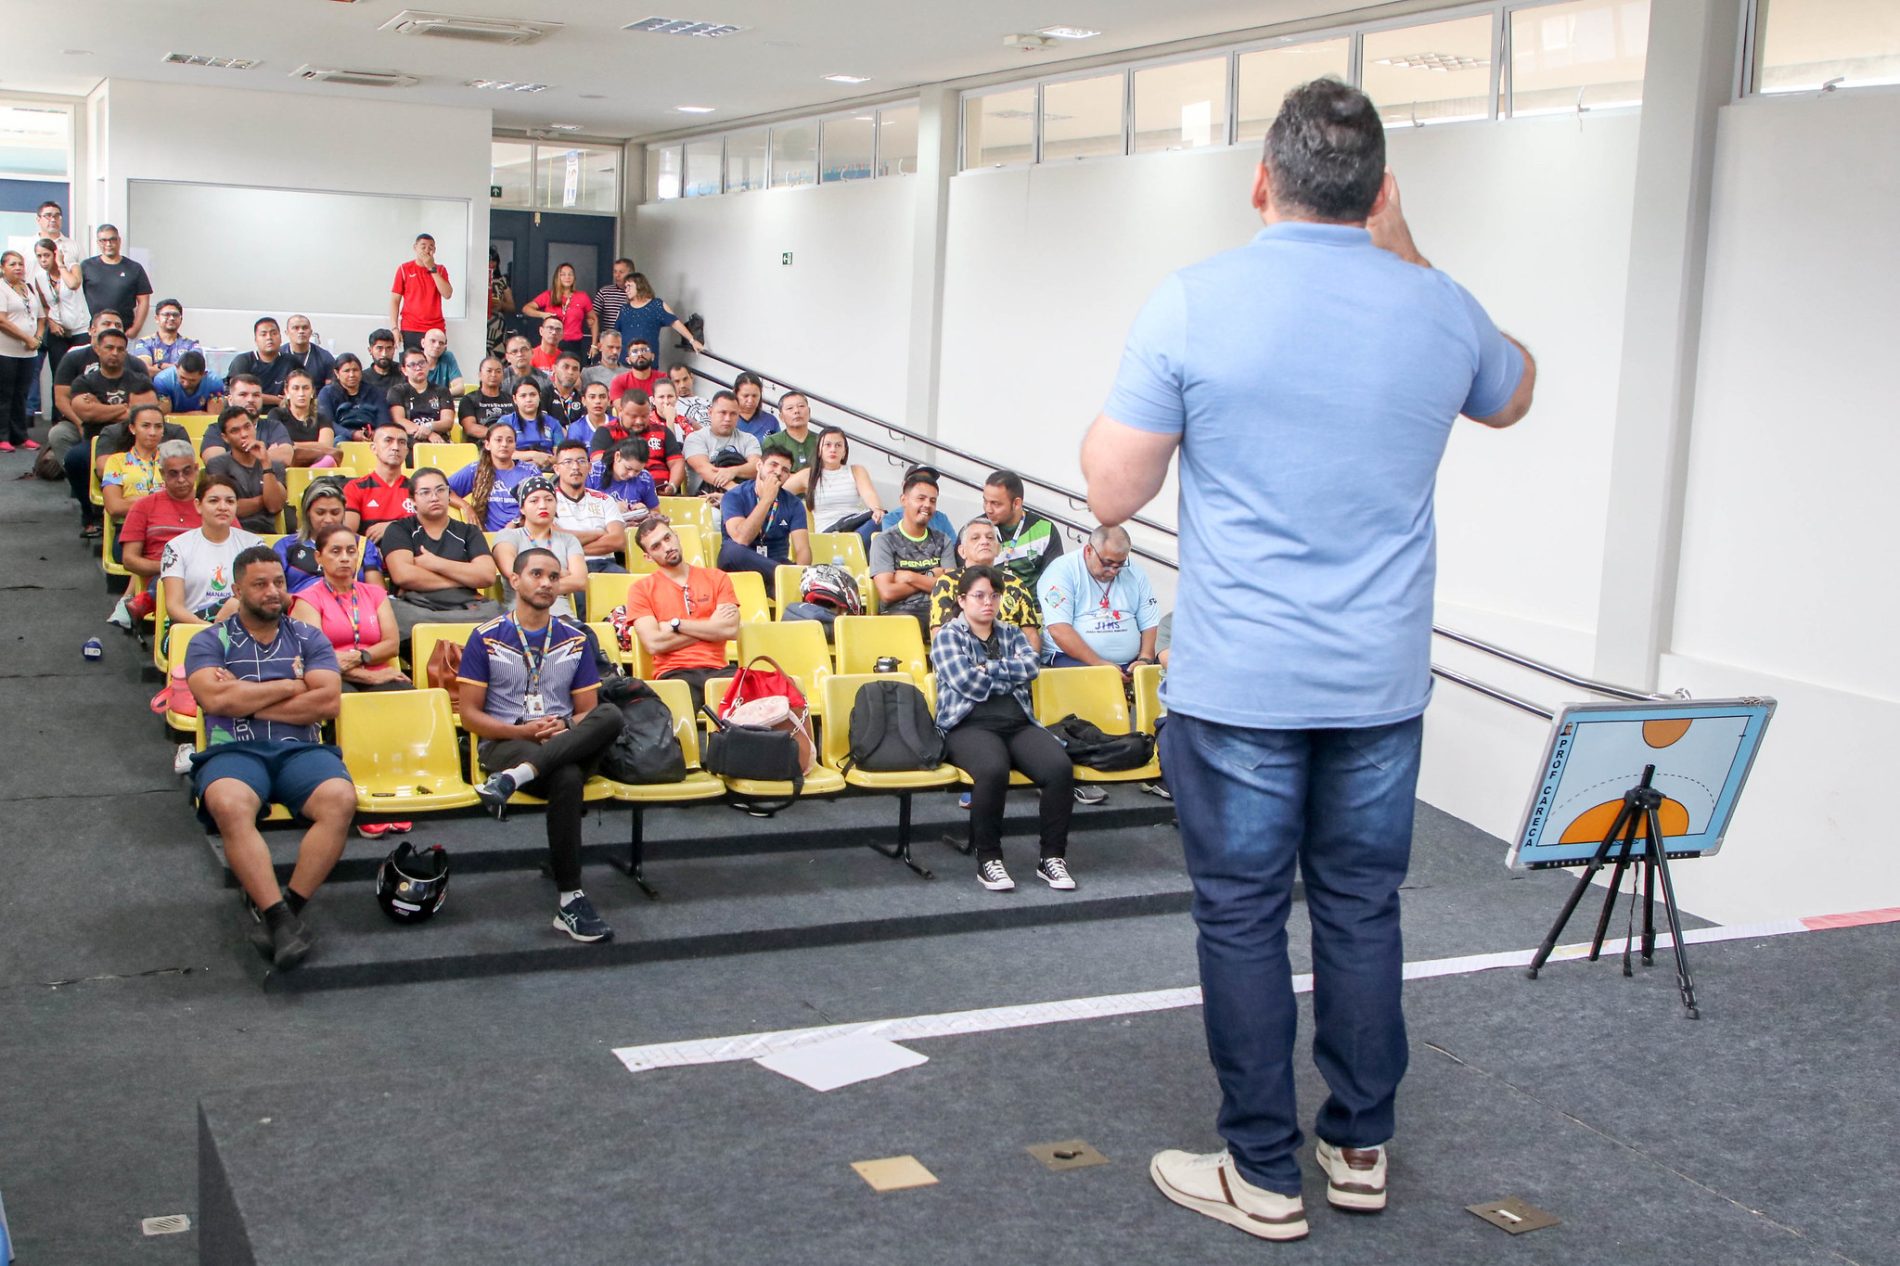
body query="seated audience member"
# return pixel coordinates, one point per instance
(720, 455)
(186, 387)
(1099, 607)
(486, 403)
(125, 477)
(246, 394)
(485, 488)
(1029, 542)
(591, 518)
(633, 420)
(354, 616)
(102, 395)
(764, 525)
(840, 496)
(118, 438)
(1015, 604)
(984, 667)
(385, 367)
(519, 353)
(352, 407)
(444, 370)
(530, 690)
(267, 363)
(258, 479)
(381, 497)
(683, 615)
(630, 485)
(155, 519)
(537, 531)
(549, 349)
(322, 506)
(907, 559)
(666, 408)
(594, 414)
(425, 410)
(754, 419)
(571, 307)
(437, 567)
(536, 430)
(195, 571)
(265, 685)
(564, 402)
(167, 347)
(67, 431)
(302, 351)
(939, 521)
(640, 372)
(312, 440)
(796, 440)
(608, 367)
(694, 409)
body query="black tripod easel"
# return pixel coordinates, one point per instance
(1638, 815)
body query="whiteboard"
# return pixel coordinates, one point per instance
(260, 250)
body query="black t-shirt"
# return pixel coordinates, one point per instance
(483, 409)
(299, 432)
(567, 410)
(425, 405)
(120, 390)
(459, 543)
(384, 382)
(272, 375)
(250, 483)
(117, 438)
(115, 286)
(77, 362)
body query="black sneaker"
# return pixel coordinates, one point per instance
(580, 920)
(992, 875)
(257, 931)
(1089, 793)
(495, 793)
(1055, 873)
(290, 943)
(1158, 789)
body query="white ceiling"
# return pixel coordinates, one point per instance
(613, 83)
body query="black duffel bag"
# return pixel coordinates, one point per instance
(747, 751)
(1088, 744)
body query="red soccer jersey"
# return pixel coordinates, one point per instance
(421, 301)
(377, 502)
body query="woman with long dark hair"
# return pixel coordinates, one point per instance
(839, 497)
(573, 306)
(22, 330)
(485, 489)
(354, 615)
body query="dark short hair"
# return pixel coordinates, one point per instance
(248, 558)
(564, 357)
(981, 571)
(192, 362)
(420, 471)
(49, 203)
(787, 395)
(624, 260)
(213, 479)
(717, 396)
(564, 445)
(169, 303)
(631, 343)
(648, 526)
(108, 332)
(245, 380)
(521, 559)
(261, 322)
(636, 395)
(381, 336)
(425, 237)
(1326, 151)
(348, 358)
(407, 352)
(386, 422)
(921, 475)
(510, 340)
(533, 384)
(1008, 480)
(101, 315)
(232, 412)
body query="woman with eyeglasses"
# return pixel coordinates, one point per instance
(988, 719)
(355, 616)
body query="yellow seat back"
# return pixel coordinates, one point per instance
(864, 639)
(694, 510)
(447, 458)
(749, 588)
(400, 742)
(422, 642)
(1148, 706)
(195, 424)
(605, 591)
(799, 647)
(846, 546)
(95, 491)
(1093, 693)
(679, 700)
(355, 457)
(841, 691)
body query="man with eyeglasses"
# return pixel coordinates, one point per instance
(167, 347)
(590, 517)
(113, 281)
(1098, 607)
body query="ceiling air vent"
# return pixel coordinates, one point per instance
(216, 63)
(681, 26)
(451, 26)
(354, 78)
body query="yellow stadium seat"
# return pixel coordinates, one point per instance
(354, 457)
(277, 813)
(195, 424)
(422, 640)
(799, 647)
(400, 748)
(175, 660)
(848, 546)
(823, 780)
(1094, 694)
(603, 631)
(841, 691)
(698, 784)
(692, 547)
(447, 458)
(95, 491)
(605, 591)
(1148, 706)
(788, 587)
(862, 640)
(694, 510)
(595, 790)
(110, 531)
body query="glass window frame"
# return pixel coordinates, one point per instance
(1750, 66)
(653, 150)
(1230, 71)
(965, 100)
(1500, 52)
(1125, 71)
(855, 116)
(556, 145)
(1326, 36)
(1503, 105)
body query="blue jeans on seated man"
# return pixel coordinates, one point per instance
(605, 564)
(1338, 803)
(736, 557)
(1069, 661)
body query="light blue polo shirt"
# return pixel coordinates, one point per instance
(1313, 379)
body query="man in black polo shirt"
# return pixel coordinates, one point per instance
(480, 407)
(101, 395)
(66, 431)
(265, 364)
(306, 355)
(112, 281)
(425, 410)
(384, 371)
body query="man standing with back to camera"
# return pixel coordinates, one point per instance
(1310, 380)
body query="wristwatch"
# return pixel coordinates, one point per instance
(674, 624)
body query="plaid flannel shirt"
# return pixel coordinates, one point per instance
(966, 675)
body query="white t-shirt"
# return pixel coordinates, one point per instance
(565, 548)
(835, 498)
(592, 513)
(21, 312)
(204, 566)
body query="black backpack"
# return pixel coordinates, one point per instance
(891, 730)
(1088, 744)
(645, 750)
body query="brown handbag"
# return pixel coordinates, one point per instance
(445, 661)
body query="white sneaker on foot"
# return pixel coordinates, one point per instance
(1355, 1176)
(181, 758)
(1209, 1183)
(993, 876)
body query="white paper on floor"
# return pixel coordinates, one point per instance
(841, 1061)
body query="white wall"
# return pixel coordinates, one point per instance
(171, 132)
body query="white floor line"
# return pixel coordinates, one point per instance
(742, 1046)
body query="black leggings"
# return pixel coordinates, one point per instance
(986, 749)
(15, 373)
(563, 764)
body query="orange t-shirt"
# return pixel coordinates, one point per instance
(707, 589)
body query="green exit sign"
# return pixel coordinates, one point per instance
(494, 191)
(785, 259)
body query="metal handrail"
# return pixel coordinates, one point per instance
(1492, 692)
(1549, 670)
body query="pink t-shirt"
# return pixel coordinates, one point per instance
(573, 315)
(365, 601)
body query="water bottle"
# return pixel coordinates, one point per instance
(837, 560)
(93, 650)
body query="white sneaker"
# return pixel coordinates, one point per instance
(992, 876)
(181, 759)
(1211, 1184)
(1355, 1176)
(1055, 873)
(121, 614)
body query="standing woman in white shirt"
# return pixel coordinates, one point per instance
(22, 329)
(67, 317)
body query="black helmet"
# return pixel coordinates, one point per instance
(411, 885)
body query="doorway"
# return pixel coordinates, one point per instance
(532, 244)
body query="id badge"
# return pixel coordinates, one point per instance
(532, 705)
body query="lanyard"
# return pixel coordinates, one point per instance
(533, 661)
(356, 618)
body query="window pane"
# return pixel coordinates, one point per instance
(1439, 73)
(846, 146)
(1183, 106)
(1266, 76)
(999, 129)
(1588, 52)
(576, 179)
(897, 141)
(511, 165)
(1805, 43)
(34, 142)
(794, 154)
(1082, 118)
(702, 167)
(663, 172)
(745, 160)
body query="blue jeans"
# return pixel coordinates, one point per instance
(1338, 802)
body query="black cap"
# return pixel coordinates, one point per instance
(921, 475)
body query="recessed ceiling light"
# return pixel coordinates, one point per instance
(847, 79)
(681, 26)
(507, 85)
(564, 127)
(216, 63)
(1069, 32)
(694, 109)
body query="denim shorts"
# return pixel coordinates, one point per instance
(279, 772)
